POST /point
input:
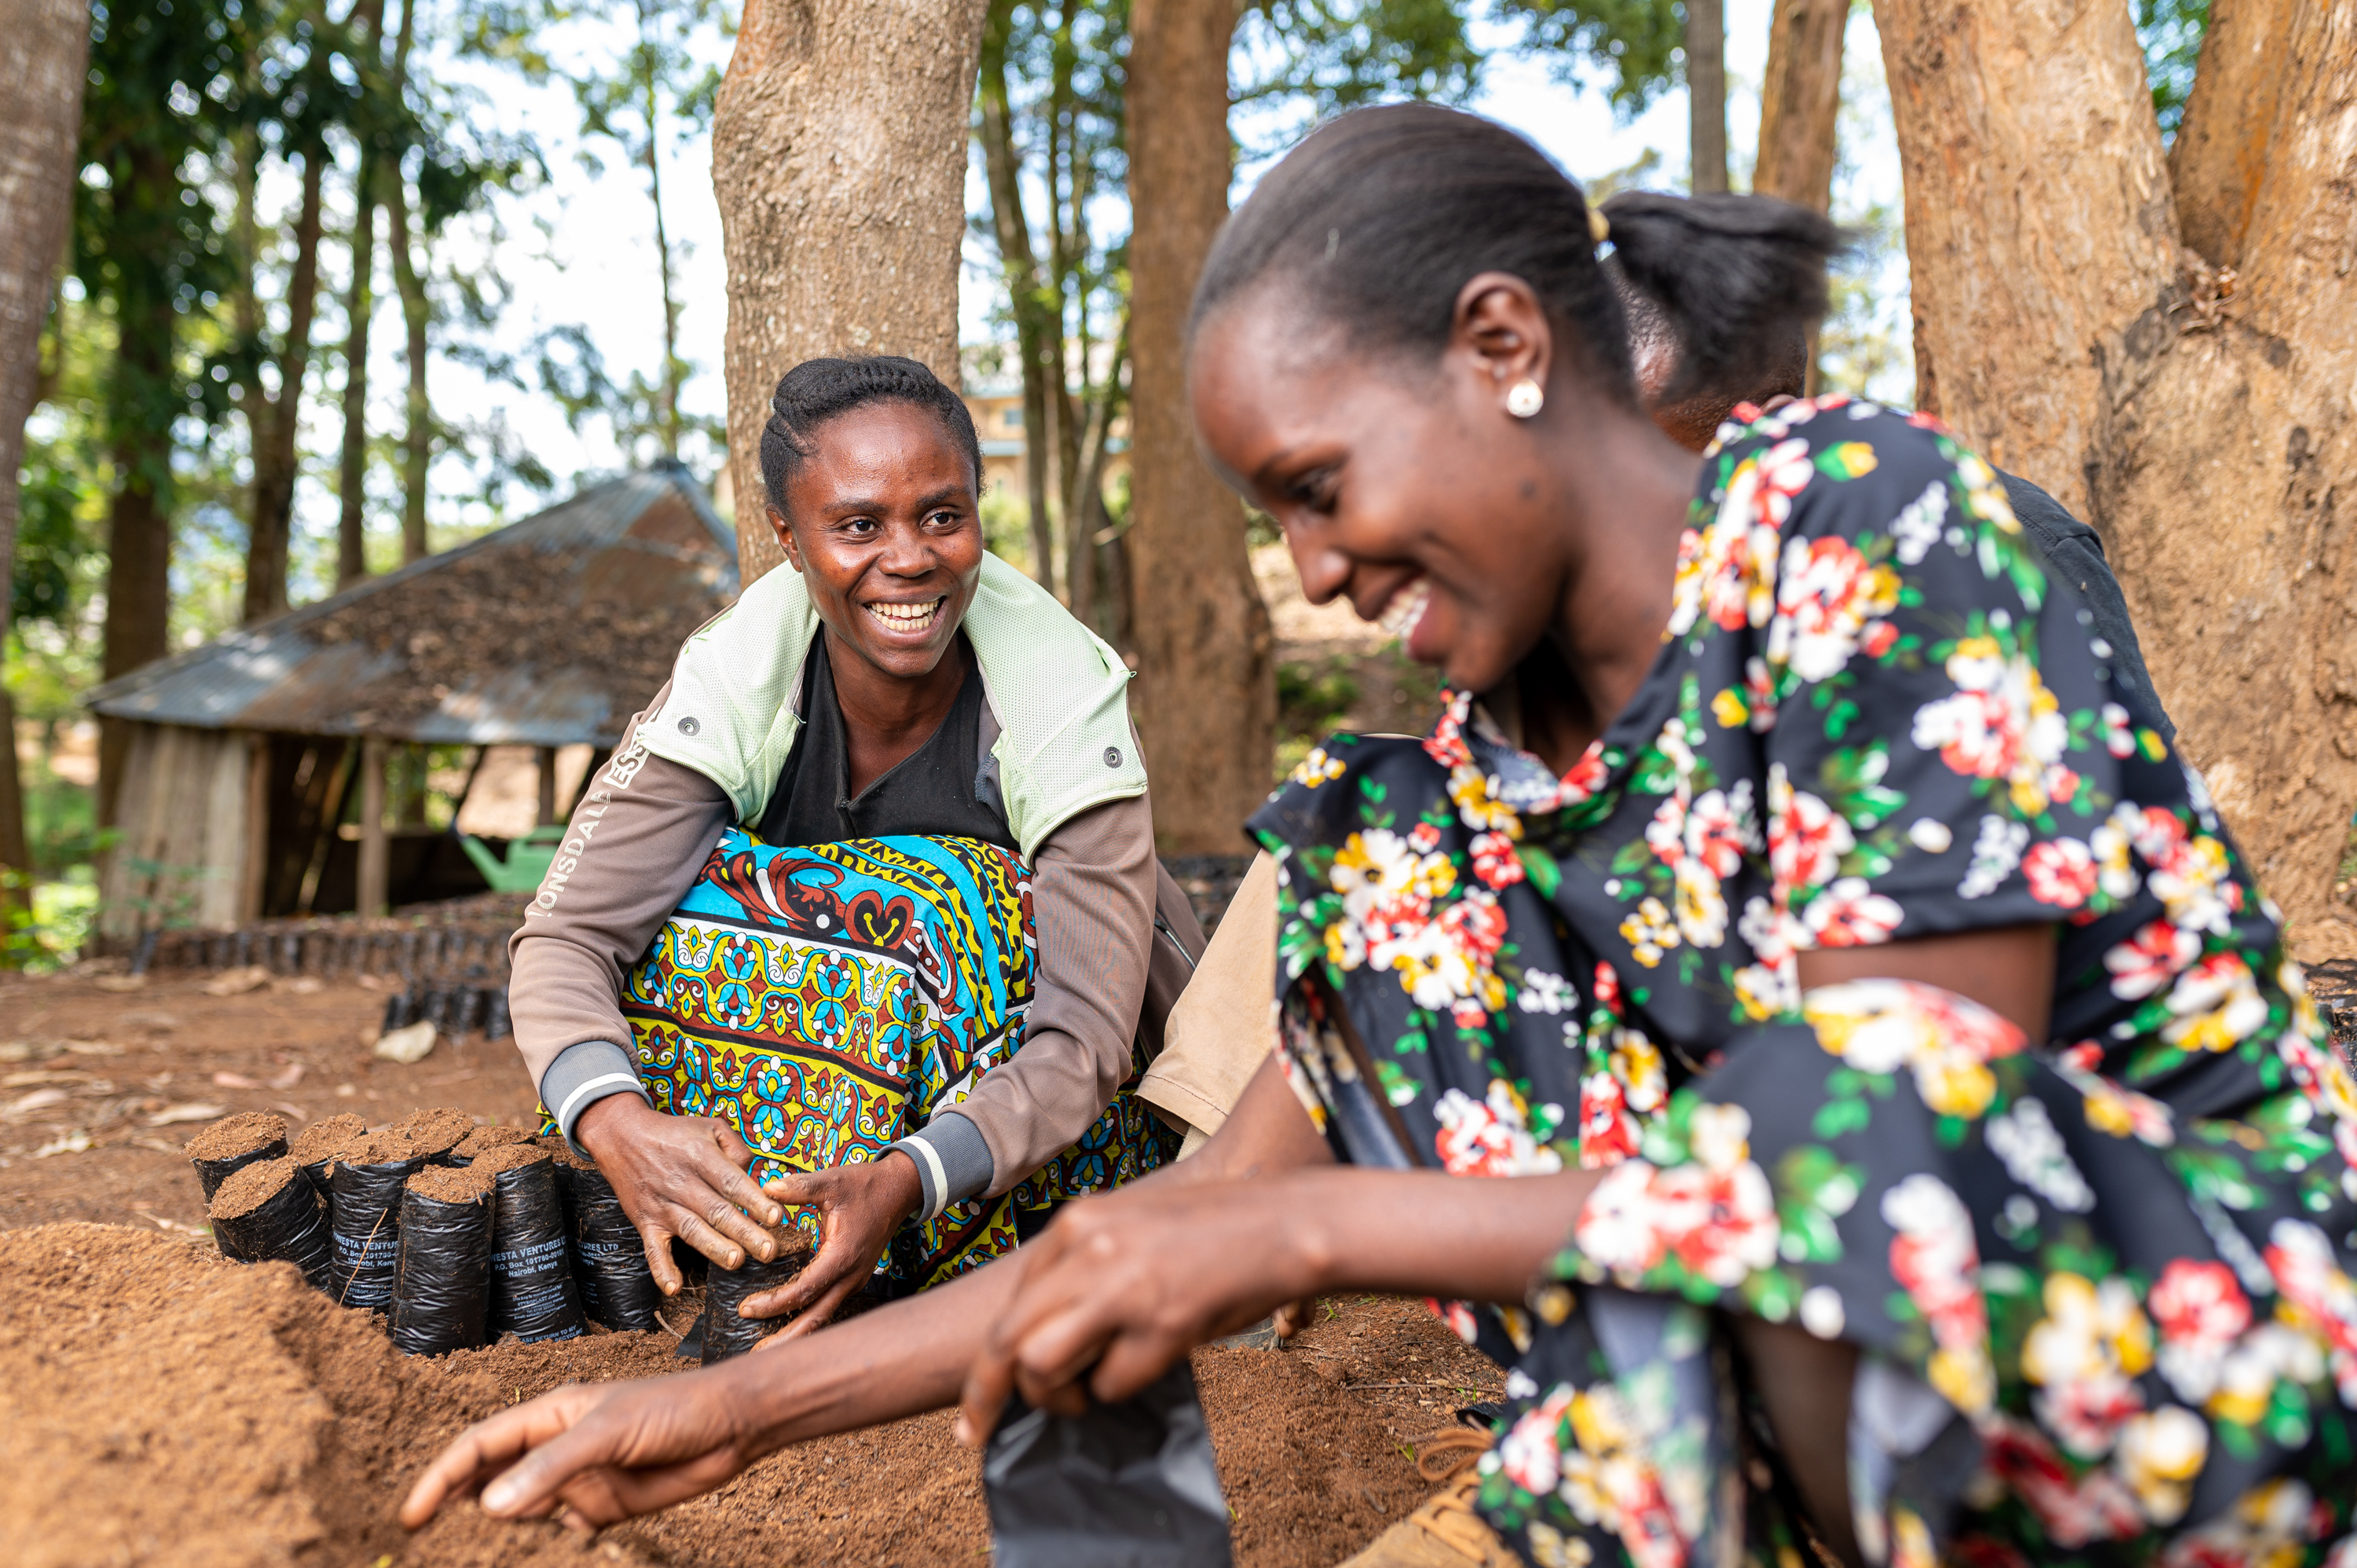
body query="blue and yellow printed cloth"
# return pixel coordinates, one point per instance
(827, 1001)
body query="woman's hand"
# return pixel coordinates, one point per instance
(595, 1454)
(679, 1175)
(1128, 1283)
(859, 1208)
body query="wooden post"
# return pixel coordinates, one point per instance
(251, 890)
(374, 852)
(545, 757)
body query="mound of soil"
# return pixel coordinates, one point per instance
(160, 1406)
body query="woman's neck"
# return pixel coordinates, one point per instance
(1633, 486)
(886, 717)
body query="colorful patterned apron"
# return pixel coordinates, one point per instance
(827, 1001)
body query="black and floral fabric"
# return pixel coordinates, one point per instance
(2100, 1282)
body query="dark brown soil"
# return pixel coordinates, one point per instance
(238, 1135)
(435, 1133)
(232, 1415)
(452, 1183)
(252, 1186)
(325, 1140)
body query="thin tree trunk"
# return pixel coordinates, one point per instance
(839, 242)
(360, 304)
(1800, 102)
(274, 458)
(667, 394)
(1207, 691)
(1104, 613)
(1707, 92)
(2203, 428)
(417, 427)
(41, 76)
(1003, 169)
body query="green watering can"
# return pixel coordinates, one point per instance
(527, 860)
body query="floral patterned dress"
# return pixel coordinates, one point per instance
(2100, 1283)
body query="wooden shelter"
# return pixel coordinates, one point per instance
(250, 755)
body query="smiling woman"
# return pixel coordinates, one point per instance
(876, 878)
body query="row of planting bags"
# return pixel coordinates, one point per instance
(460, 1233)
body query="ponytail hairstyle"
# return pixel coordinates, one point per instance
(1380, 217)
(817, 390)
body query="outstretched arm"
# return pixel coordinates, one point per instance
(596, 1453)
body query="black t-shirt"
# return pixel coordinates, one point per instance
(945, 787)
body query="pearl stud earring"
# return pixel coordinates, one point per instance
(1525, 398)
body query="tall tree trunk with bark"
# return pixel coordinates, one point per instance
(40, 80)
(2200, 421)
(839, 157)
(1800, 102)
(1706, 93)
(1207, 687)
(1002, 166)
(274, 457)
(416, 314)
(360, 304)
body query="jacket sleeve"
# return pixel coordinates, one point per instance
(634, 845)
(1093, 911)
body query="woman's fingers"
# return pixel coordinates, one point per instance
(656, 1239)
(821, 1312)
(490, 1447)
(725, 1170)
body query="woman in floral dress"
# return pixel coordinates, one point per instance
(1886, 1001)
(1920, 1149)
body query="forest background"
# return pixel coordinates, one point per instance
(347, 284)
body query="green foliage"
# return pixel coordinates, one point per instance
(2171, 32)
(1640, 43)
(1336, 54)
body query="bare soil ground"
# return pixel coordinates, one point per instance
(230, 1415)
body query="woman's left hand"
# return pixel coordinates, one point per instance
(1122, 1285)
(859, 1208)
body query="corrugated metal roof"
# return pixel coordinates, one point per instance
(548, 632)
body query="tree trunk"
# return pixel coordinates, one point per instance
(360, 304)
(273, 457)
(2201, 424)
(839, 157)
(41, 78)
(1207, 687)
(1003, 169)
(1800, 102)
(1706, 93)
(417, 427)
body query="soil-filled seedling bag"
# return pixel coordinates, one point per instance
(434, 1134)
(315, 1149)
(232, 1143)
(442, 1298)
(609, 1256)
(532, 1293)
(267, 1211)
(482, 1141)
(366, 1185)
(724, 1290)
(1123, 1485)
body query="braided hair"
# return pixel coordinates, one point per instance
(817, 390)
(1377, 222)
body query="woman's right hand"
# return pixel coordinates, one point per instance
(679, 1175)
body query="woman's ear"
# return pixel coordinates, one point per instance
(1503, 331)
(784, 531)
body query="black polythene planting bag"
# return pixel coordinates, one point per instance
(532, 1293)
(367, 1222)
(1132, 1485)
(444, 1294)
(725, 1333)
(211, 1174)
(290, 1224)
(609, 1256)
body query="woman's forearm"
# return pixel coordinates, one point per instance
(897, 1360)
(1422, 1232)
